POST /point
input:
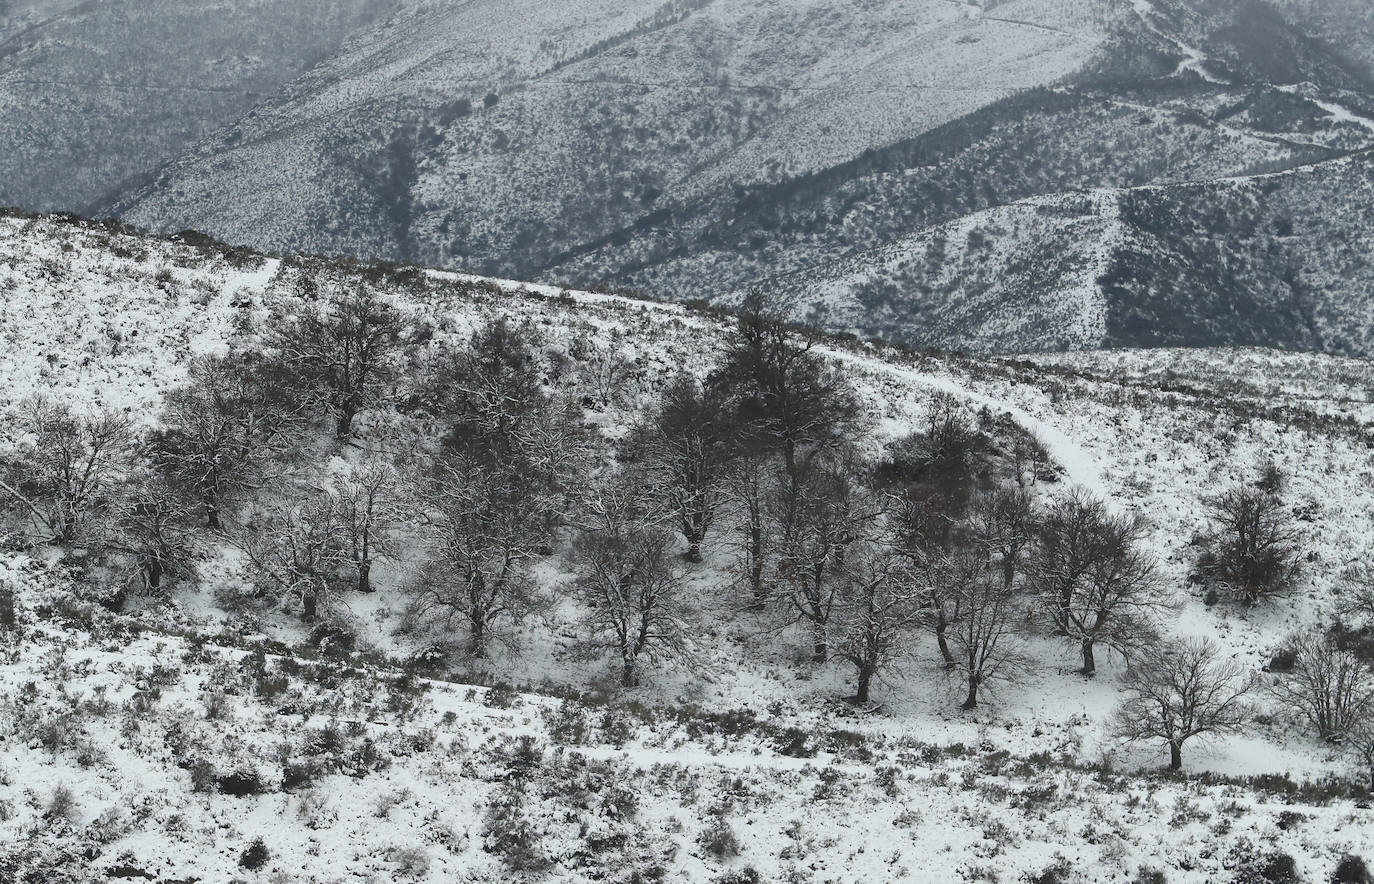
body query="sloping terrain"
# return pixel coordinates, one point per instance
(1274, 259)
(701, 148)
(566, 123)
(94, 97)
(164, 740)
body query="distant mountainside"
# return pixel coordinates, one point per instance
(95, 96)
(1022, 175)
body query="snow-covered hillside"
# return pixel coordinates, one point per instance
(163, 741)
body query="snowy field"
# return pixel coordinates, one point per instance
(127, 737)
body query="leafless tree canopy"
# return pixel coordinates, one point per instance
(628, 581)
(1253, 548)
(299, 554)
(339, 346)
(1330, 686)
(65, 469)
(222, 430)
(687, 442)
(485, 528)
(881, 601)
(1093, 578)
(1183, 690)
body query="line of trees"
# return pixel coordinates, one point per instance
(483, 474)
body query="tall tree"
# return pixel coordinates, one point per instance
(1252, 547)
(299, 553)
(804, 405)
(222, 429)
(368, 511)
(65, 467)
(1329, 685)
(627, 581)
(819, 515)
(880, 601)
(1004, 520)
(687, 440)
(984, 639)
(494, 391)
(1181, 690)
(748, 487)
(152, 525)
(485, 529)
(1094, 579)
(341, 346)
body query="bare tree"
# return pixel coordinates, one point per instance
(222, 429)
(299, 553)
(1180, 690)
(485, 528)
(65, 467)
(341, 346)
(1253, 546)
(803, 405)
(494, 391)
(688, 444)
(367, 502)
(1331, 686)
(1004, 521)
(1094, 580)
(881, 601)
(984, 639)
(818, 516)
(748, 484)
(950, 573)
(152, 525)
(627, 580)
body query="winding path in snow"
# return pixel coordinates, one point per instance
(1079, 466)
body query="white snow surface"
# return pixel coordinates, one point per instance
(930, 794)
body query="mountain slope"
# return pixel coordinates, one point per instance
(700, 148)
(622, 109)
(162, 741)
(1260, 260)
(96, 96)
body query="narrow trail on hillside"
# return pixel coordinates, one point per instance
(1079, 467)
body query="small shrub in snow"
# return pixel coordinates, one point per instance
(1351, 870)
(718, 839)
(255, 855)
(411, 862)
(746, 875)
(502, 696)
(241, 783)
(1272, 868)
(62, 806)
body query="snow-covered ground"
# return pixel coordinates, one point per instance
(430, 780)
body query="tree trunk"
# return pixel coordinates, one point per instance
(478, 634)
(756, 562)
(693, 553)
(820, 645)
(153, 571)
(627, 674)
(865, 677)
(971, 702)
(212, 511)
(308, 604)
(343, 424)
(365, 576)
(943, 642)
(1089, 664)
(1175, 756)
